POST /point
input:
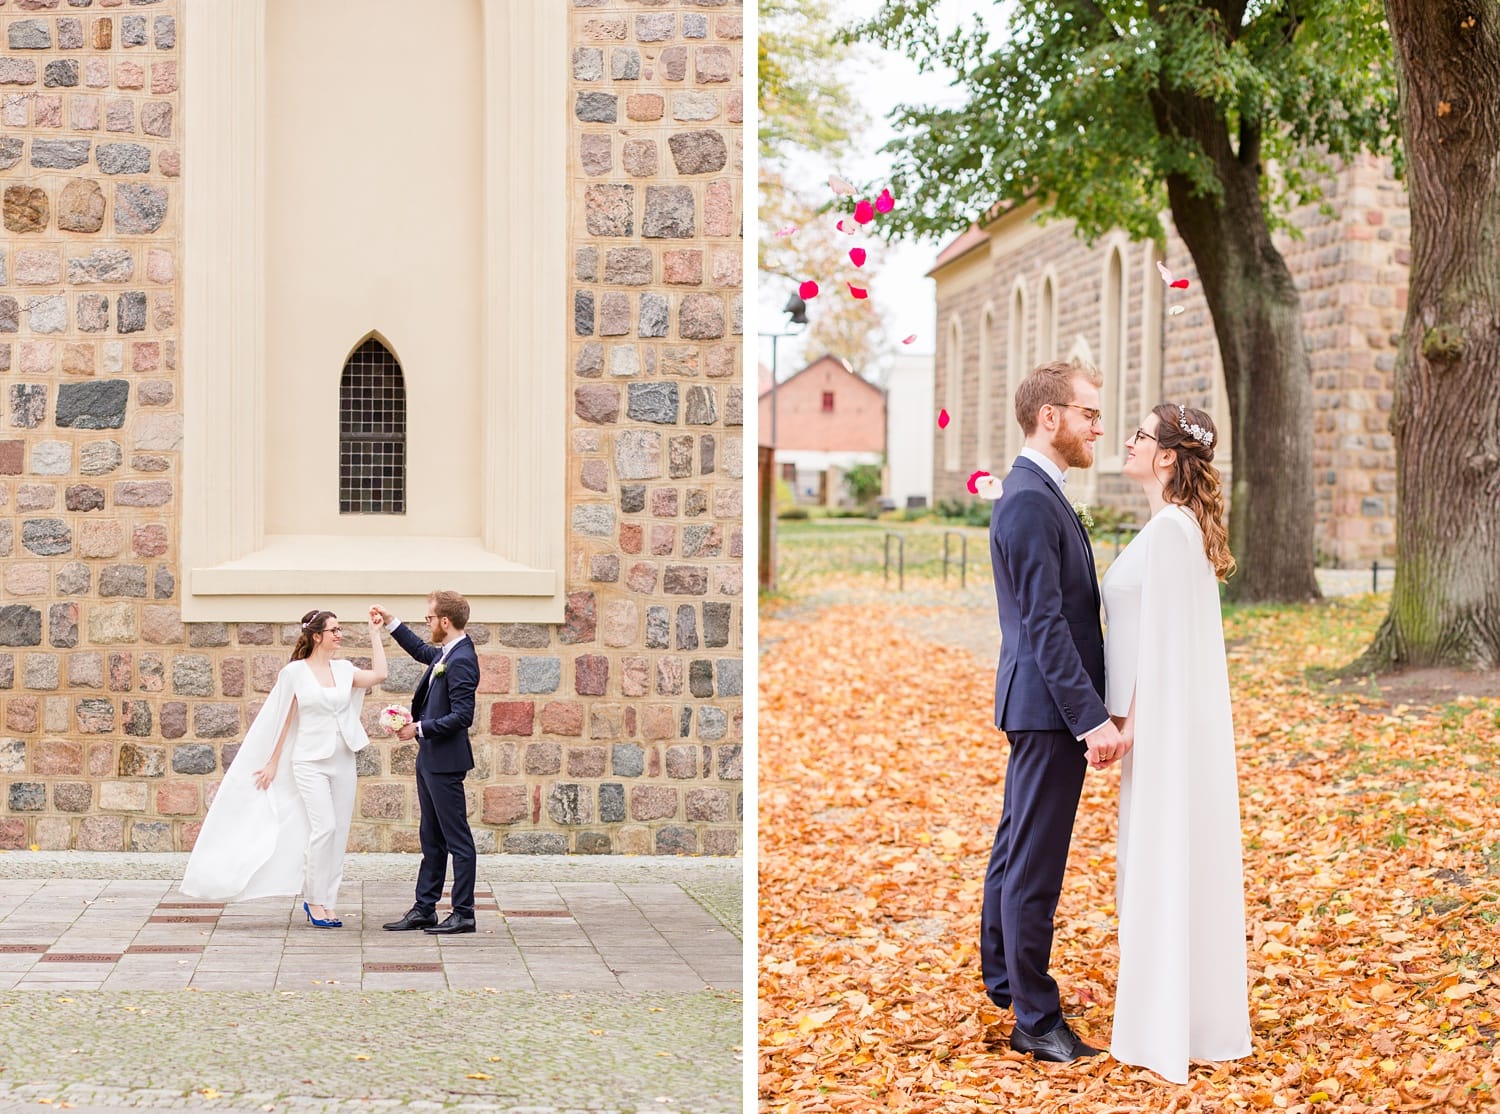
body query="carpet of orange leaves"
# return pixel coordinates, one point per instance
(1372, 862)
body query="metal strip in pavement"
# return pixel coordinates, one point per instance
(23, 949)
(80, 957)
(401, 968)
(536, 913)
(182, 920)
(163, 949)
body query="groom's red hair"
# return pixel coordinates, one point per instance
(1050, 385)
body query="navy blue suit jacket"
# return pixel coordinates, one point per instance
(444, 703)
(1051, 672)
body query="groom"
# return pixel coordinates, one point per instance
(442, 710)
(1049, 691)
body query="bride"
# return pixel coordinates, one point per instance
(280, 821)
(1180, 891)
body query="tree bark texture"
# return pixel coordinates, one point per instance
(1257, 316)
(1445, 607)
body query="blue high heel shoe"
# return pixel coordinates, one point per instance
(312, 920)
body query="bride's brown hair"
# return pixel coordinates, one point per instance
(312, 623)
(1195, 482)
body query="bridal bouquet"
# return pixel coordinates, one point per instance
(393, 717)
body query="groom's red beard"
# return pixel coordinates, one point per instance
(1078, 452)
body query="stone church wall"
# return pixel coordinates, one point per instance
(1351, 267)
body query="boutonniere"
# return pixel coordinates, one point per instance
(1081, 509)
(439, 669)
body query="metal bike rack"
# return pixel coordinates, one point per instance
(900, 560)
(963, 557)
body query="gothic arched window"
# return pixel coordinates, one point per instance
(372, 432)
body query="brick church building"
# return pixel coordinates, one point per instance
(314, 303)
(1018, 291)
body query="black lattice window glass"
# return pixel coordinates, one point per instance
(372, 433)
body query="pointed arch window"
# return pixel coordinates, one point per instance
(984, 418)
(1046, 326)
(1113, 339)
(372, 432)
(953, 396)
(1015, 362)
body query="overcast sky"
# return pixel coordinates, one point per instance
(901, 293)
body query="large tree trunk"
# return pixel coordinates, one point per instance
(1257, 316)
(1445, 608)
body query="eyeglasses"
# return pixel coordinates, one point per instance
(1094, 417)
(431, 618)
(1141, 433)
(333, 630)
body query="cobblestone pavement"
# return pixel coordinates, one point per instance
(595, 984)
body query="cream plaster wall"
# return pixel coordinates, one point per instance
(374, 195)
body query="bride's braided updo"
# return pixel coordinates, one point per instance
(1195, 482)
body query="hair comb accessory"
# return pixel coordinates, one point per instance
(1192, 429)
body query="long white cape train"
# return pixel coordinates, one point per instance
(254, 841)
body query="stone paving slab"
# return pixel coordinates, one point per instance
(609, 984)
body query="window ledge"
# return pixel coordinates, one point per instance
(288, 569)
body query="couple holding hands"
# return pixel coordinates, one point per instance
(279, 823)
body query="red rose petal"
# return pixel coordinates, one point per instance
(807, 291)
(943, 419)
(885, 202)
(857, 256)
(1179, 284)
(974, 476)
(858, 292)
(864, 212)
(908, 340)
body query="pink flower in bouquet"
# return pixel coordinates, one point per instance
(393, 717)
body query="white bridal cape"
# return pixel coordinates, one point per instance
(254, 841)
(1182, 990)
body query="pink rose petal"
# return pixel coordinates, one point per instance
(858, 292)
(857, 256)
(908, 340)
(864, 212)
(848, 228)
(789, 230)
(885, 202)
(807, 291)
(988, 487)
(1174, 311)
(943, 419)
(973, 490)
(1166, 275)
(839, 186)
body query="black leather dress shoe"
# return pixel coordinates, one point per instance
(414, 918)
(453, 924)
(1061, 1046)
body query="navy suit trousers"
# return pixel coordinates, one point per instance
(444, 831)
(1043, 782)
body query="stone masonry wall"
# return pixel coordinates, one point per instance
(618, 730)
(1351, 269)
